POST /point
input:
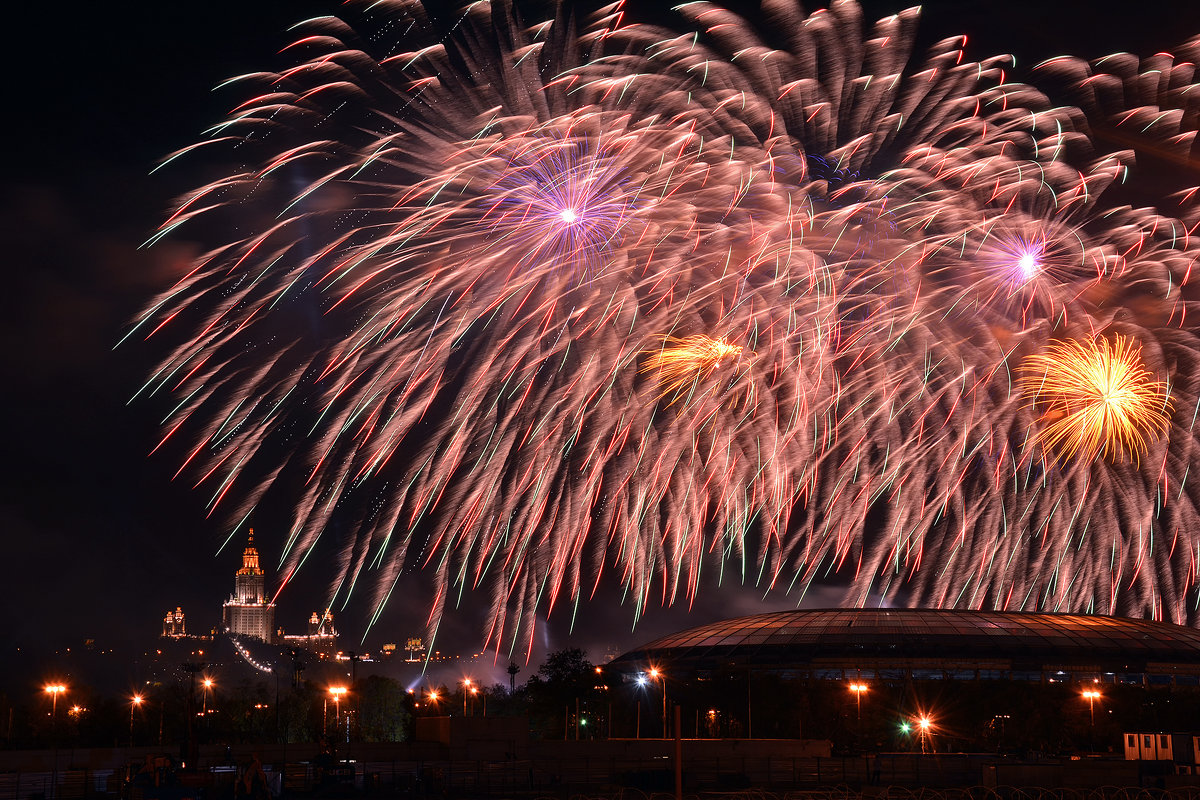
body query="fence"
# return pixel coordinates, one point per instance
(72, 784)
(583, 774)
(894, 776)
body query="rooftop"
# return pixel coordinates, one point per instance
(1002, 639)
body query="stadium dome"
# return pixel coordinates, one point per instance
(928, 643)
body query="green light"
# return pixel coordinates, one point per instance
(583, 722)
(905, 727)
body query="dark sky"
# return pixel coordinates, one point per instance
(98, 540)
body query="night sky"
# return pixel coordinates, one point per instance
(99, 541)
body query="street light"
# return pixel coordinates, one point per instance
(924, 725)
(641, 682)
(134, 702)
(1092, 696)
(858, 689)
(466, 688)
(54, 690)
(661, 677)
(208, 684)
(337, 692)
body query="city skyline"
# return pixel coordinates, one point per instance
(109, 539)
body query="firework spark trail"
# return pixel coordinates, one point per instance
(526, 306)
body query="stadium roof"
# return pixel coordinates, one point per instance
(950, 638)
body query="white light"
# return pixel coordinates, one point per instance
(568, 215)
(1028, 265)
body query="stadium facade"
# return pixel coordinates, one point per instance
(932, 644)
(905, 679)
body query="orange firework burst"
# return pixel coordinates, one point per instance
(1098, 398)
(681, 363)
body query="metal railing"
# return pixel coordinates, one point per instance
(749, 777)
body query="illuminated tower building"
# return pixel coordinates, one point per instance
(322, 625)
(321, 637)
(174, 624)
(248, 611)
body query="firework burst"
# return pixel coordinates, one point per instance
(1098, 399)
(682, 364)
(528, 306)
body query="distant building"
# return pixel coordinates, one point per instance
(174, 626)
(763, 672)
(321, 637)
(323, 625)
(248, 611)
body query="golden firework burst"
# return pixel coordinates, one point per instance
(1097, 398)
(681, 363)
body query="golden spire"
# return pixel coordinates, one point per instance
(250, 558)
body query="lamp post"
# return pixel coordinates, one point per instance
(641, 682)
(54, 690)
(466, 689)
(661, 677)
(337, 692)
(858, 689)
(924, 724)
(1092, 696)
(208, 684)
(193, 668)
(134, 702)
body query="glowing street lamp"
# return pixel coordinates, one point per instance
(1092, 696)
(208, 684)
(54, 690)
(466, 689)
(858, 689)
(641, 682)
(336, 692)
(660, 676)
(134, 702)
(924, 726)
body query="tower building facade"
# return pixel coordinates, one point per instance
(175, 624)
(248, 611)
(321, 638)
